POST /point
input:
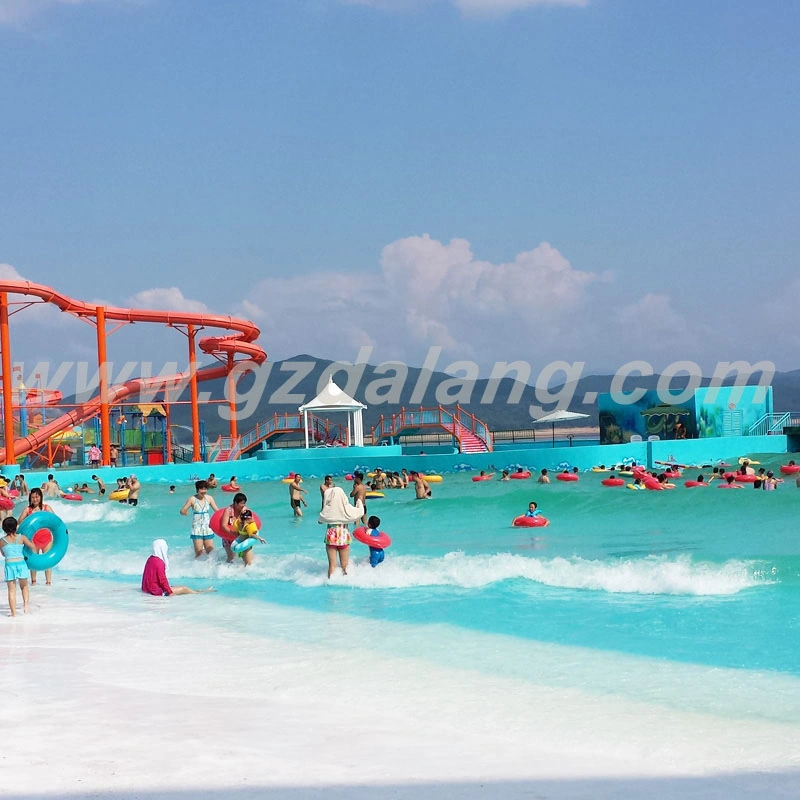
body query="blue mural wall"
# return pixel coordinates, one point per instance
(648, 416)
(742, 405)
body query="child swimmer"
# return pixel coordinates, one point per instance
(376, 554)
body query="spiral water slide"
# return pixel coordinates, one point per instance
(225, 348)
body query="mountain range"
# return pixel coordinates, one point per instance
(422, 387)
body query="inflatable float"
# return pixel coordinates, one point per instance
(374, 495)
(520, 476)
(612, 482)
(119, 494)
(381, 541)
(790, 469)
(567, 477)
(49, 534)
(215, 523)
(692, 484)
(476, 478)
(530, 522)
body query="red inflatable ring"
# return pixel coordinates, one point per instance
(790, 469)
(612, 482)
(226, 487)
(43, 538)
(739, 478)
(215, 523)
(567, 476)
(530, 522)
(381, 541)
(477, 478)
(6, 504)
(520, 476)
(74, 497)
(690, 484)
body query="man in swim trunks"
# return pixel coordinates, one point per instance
(201, 505)
(543, 478)
(133, 491)
(359, 492)
(379, 479)
(101, 487)
(326, 484)
(421, 487)
(296, 493)
(50, 487)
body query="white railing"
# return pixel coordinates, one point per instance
(774, 423)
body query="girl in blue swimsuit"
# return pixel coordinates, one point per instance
(16, 570)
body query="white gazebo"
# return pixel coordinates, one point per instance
(332, 398)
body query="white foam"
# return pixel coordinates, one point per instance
(676, 575)
(88, 511)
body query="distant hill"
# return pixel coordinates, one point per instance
(420, 388)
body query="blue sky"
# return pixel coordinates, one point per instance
(598, 180)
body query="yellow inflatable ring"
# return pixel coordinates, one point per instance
(119, 494)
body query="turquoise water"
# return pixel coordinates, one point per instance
(694, 576)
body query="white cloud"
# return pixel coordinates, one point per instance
(652, 314)
(171, 299)
(449, 296)
(426, 293)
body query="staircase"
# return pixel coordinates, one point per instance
(468, 441)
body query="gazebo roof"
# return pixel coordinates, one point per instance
(332, 398)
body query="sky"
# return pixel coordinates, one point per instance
(579, 180)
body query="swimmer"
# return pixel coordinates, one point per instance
(50, 488)
(296, 493)
(505, 476)
(201, 505)
(326, 484)
(171, 489)
(16, 570)
(544, 477)
(233, 484)
(133, 490)
(244, 528)
(36, 503)
(421, 487)
(211, 481)
(101, 487)
(376, 554)
(358, 493)
(533, 510)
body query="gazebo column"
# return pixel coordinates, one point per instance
(305, 426)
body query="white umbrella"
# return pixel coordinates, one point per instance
(559, 416)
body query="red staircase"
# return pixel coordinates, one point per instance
(472, 435)
(469, 442)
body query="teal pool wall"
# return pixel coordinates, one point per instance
(316, 462)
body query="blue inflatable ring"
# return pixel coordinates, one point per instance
(245, 544)
(35, 522)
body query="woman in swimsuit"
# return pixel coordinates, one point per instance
(201, 505)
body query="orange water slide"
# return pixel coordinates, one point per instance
(225, 348)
